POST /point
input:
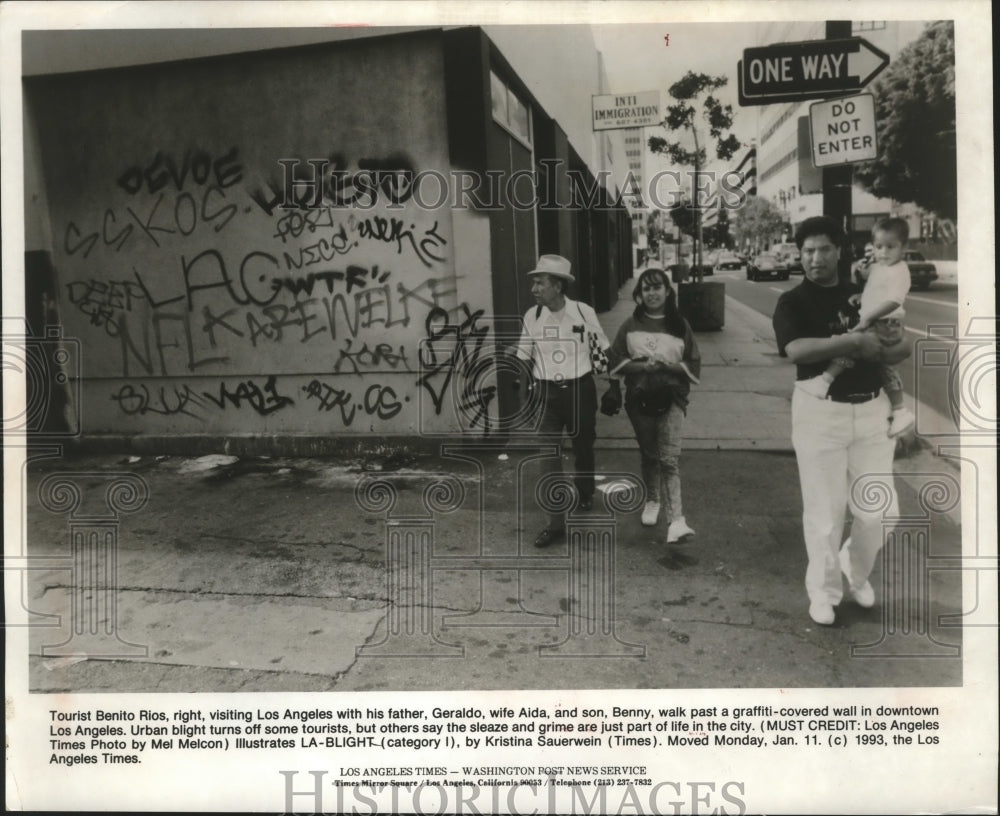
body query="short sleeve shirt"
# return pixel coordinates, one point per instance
(811, 310)
(886, 283)
(556, 342)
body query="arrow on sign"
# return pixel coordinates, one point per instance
(865, 63)
(813, 69)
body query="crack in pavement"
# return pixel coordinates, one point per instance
(752, 624)
(211, 594)
(284, 543)
(168, 666)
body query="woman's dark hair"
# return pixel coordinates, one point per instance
(675, 323)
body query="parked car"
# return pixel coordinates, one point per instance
(728, 260)
(707, 263)
(765, 266)
(788, 256)
(922, 271)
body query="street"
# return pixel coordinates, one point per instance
(933, 312)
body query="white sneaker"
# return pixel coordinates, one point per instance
(821, 612)
(900, 421)
(678, 529)
(864, 595)
(815, 386)
(650, 513)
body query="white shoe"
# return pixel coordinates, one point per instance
(900, 421)
(864, 595)
(815, 386)
(650, 513)
(678, 529)
(821, 612)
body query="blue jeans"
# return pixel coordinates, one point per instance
(659, 439)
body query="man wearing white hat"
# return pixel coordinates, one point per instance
(555, 340)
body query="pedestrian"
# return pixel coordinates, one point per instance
(559, 336)
(880, 310)
(656, 352)
(841, 439)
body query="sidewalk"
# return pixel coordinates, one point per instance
(274, 575)
(744, 399)
(283, 574)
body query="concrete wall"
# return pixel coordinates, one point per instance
(201, 306)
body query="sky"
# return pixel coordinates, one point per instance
(638, 58)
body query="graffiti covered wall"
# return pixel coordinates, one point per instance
(202, 305)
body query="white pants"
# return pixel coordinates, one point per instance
(844, 457)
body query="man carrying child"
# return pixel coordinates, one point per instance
(881, 305)
(840, 441)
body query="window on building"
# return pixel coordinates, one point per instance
(519, 121)
(509, 110)
(782, 162)
(498, 93)
(779, 122)
(868, 25)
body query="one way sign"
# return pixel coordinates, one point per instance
(814, 69)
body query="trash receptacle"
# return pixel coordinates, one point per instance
(679, 272)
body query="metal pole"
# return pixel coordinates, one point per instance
(838, 180)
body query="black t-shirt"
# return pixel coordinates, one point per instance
(811, 310)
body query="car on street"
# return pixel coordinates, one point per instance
(765, 266)
(788, 256)
(728, 260)
(922, 271)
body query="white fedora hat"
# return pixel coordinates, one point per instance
(555, 265)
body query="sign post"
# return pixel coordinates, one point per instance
(838, 180)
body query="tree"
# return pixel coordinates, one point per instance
(685, 218)
(718, 234)
(756, 222)
(915, 122)
(694, 96)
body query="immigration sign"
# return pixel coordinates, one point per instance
(614, 111)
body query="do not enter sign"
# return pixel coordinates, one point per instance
(843, 130)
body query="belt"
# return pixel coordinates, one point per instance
(565, 383)
(856, 399)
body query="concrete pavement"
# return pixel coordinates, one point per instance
(265, 573)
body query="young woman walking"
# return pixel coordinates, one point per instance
(656, 352)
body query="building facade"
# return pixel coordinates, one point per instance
(289, 246)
